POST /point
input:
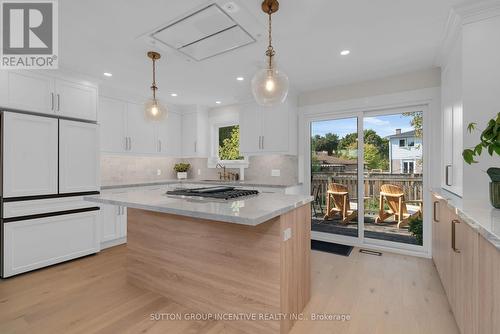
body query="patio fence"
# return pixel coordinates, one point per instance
(412, 183)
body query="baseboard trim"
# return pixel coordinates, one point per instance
(113, 243)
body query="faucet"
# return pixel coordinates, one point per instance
(222, 176)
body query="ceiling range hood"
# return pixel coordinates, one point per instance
(205, 33)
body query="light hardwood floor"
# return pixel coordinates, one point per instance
(388, 294)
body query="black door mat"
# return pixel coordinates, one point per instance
(331, 247)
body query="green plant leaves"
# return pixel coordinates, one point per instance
(468, 156)
(471, 127)
(490, 140)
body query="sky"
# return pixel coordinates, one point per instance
(383, 125)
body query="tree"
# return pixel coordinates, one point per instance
(370, 137)
(417, 122)
(229, 149)
(328, 143)
(349, 139)
(374, 158)
(382, 144)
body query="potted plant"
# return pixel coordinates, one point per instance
(489, 140)
(181, 169)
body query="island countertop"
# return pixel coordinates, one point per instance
(246, 211)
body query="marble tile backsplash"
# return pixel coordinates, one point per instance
(117, 169)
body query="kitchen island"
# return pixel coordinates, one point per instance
(246, 260)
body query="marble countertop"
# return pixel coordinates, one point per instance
(249, 211)
(479, 215)
(195, 181)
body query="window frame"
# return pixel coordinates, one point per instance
(405, 142)
(214, 156)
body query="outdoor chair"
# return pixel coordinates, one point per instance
(337, 203)
(394, 196)
(317, 203)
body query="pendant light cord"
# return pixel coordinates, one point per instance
(270, 50)
(153, 87)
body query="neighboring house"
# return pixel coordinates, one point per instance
(405, 153)
(335, 164)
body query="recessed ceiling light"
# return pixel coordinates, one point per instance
(240, 78)
(107, 74)
(218, 102)
(173, 94)
(345, 52)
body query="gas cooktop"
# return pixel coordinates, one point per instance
(222, 192)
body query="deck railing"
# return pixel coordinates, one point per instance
(412, 183)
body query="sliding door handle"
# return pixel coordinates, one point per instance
(435, 211)
(454, 223)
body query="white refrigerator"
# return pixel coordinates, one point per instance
(48, 165)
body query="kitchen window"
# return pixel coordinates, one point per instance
(228, 141)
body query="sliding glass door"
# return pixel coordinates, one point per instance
(393, 177)
(334, 176)
(367, 178)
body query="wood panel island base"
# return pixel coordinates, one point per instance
(225, 269)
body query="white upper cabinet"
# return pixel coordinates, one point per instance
(195, 133)
(78, 157)
(452, 121)
(276, 128)
(124, 129)
(269, 129)
(141, 133)
(76, 100)
(250, 128)
(168, 135)
(113, 125)
(30, 155)
(29, 91)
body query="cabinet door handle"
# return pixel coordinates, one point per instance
(195, 146)
(454, 222)
(262, 142)
(52, 101)
(447, 177)
(58, 102)
(159, 145)
(435, 210)
(129, 143)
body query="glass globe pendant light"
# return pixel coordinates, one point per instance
(270, 85)
(153, 109)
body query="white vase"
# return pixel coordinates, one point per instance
(182, 175)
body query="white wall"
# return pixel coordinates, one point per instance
(481, 89)
(405, 82)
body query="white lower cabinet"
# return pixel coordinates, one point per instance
(113, 225)
(36, 243)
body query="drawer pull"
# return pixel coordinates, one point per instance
(435, 211)
(454, 223)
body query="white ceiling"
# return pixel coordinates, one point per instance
(386, 37)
